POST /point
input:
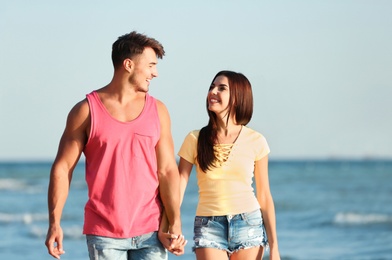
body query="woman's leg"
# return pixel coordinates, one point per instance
(210, 254)
(253, 253)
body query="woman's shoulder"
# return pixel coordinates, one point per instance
(256, 140)
(194, 133)
(251, 132)
(253, 137)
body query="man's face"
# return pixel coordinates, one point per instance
(145, 69)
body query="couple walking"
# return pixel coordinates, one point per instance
(135, 187)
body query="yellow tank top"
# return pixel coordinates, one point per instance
(227, 189)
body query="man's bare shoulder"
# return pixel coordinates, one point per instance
(163, 111)
(161, 106)
(80, 111)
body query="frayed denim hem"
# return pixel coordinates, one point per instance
(203, 243)
(250, 245)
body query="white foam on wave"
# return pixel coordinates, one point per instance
(74, 232)
(71, 232)
(12, 184)
(18, 185)
(360, 219)
(26, 218)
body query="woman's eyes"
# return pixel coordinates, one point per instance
(220, 88)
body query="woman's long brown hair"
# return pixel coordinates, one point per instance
(240, 103)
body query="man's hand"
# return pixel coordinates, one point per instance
(54, 241)
(175, 244)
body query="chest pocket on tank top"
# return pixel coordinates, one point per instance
(142, 145)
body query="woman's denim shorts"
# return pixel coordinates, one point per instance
(230, 233)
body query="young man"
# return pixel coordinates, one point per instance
(131, 172)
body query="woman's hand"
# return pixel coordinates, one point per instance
(175, 244)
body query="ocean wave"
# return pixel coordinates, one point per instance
(9, 184)
(71, 232)
(26, 218)
(361, 219)
(12, 184)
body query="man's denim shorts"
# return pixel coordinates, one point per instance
(230, 233)
(146, 247)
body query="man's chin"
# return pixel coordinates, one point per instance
(145, 90)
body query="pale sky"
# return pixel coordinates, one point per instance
(321, 71)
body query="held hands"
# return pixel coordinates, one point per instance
(175, 244)
(54, 241)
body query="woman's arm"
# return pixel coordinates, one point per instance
(266, 204)
(184, 168)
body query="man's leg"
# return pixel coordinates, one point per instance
(105, 248)
(148, 247)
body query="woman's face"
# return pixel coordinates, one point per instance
(219, 95)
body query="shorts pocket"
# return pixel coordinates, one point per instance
(201, 221)
(253, 218)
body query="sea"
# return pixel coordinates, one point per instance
(325, 209)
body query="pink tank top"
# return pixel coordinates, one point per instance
(121, 172)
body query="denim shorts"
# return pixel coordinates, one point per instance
(230, 233)
(146, 246)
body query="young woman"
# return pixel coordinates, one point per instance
(231, 221)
